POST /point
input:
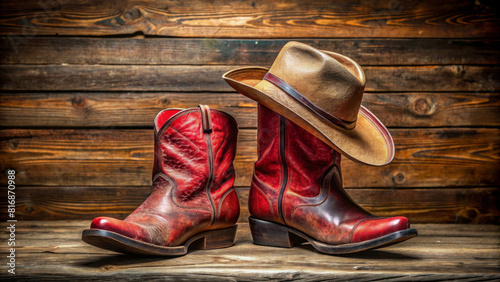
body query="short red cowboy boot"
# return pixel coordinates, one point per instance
(297, 195)
(193, 198)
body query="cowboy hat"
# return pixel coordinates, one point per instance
(320, 91)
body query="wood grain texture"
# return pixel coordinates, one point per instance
(104, 109)
(53, 250)
(260, 52)
(81, 82)
(251, 19)
(430, 205)
(132, 109)
(430, 157)
(449, 78)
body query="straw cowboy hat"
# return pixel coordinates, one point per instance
(320, 91)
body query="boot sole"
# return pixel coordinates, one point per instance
(273, 234)
(109, 240)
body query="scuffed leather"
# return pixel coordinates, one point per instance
(314, 200)
(263, 200)
(373, 228)
(179, 205)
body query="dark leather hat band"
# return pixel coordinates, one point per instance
(288, 89)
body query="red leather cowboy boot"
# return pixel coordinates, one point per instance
(192, 199)
(297, 195)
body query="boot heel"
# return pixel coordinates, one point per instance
(221, 238)
(270, 234)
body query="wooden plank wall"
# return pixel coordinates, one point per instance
(81, 82)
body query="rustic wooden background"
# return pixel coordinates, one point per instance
(81, 82)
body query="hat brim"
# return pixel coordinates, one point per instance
(369, 142)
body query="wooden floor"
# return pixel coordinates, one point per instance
(53, 250)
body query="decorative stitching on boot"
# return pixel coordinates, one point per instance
(221, 201)
(263, 193)
(327, 178)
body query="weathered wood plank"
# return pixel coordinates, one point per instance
(434, 109)
(97, 109)
(66, 237)
(251, 19)
(116, 78)
(449, 78)
(132, 109)
(441, 252)
(174, 51)
(430, 205)
(426, 157)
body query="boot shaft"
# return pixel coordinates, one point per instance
(194, 150)
(291, 161)
(285, 150)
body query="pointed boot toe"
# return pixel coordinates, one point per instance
(384, 231)
(106, 223)
(127, 229)
(115, 235)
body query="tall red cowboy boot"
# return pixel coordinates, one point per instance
(193, 198)
(297, 195)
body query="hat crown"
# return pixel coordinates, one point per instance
(331, 81)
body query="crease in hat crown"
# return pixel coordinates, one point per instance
(331, 81)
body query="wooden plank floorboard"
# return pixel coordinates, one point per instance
(250, 19)
(53, 250)
(428, 205)
(138, 109)
(255, 52)
(123, 157)
(181, 78)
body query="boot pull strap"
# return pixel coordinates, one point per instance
(206, 118)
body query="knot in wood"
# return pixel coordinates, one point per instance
(13, 143)
(164, 102)
(468, 215)
(399, 178)
(29, 209)
(132, 14)
(78, 102)
(423, 106)
(471, 213)
(459, 70)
